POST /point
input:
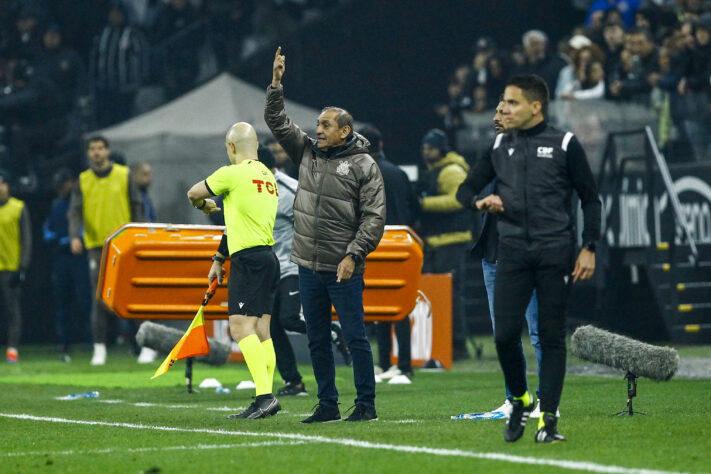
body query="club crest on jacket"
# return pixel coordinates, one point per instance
(344, 168)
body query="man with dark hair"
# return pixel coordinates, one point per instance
(485, 248)
(537, 167)
(103, 200)
(639, 62)
(402, 209)
(339, 217)
(445, 224)
(15, 255)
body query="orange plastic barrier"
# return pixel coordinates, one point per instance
(159, 271)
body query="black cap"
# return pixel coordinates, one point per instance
(704, 22)
(4, 176)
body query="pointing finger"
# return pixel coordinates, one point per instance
(278, 52)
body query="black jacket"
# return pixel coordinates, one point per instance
(537, 170)
(400, 200)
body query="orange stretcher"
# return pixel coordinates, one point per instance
(159, 271)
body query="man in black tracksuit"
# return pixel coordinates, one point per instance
(537, 167)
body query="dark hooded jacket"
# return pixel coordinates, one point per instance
(340, 203)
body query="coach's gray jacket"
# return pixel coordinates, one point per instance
(340, 205)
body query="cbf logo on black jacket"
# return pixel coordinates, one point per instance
(537, 170)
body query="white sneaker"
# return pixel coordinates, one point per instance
(390, 373)
(147, 355)
(377, 370)
(506, 409)
(99, 357)
(536, 413)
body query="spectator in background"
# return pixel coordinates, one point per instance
(231, 23)
(445, 225)
(402, 208)
(612, 44)
(633, 79)
(15, 255)
(695, 86)
(626, 9)
(178, 46)
(118, 66)
(451, 111)
(489, 71)
(589, 75)
(28, 109)
(70, 272)
(539, 60)
(26, 40)
(104, 199)
(63, 66)
(142, 175)
(283, 162)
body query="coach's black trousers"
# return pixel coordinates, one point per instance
(519, 272)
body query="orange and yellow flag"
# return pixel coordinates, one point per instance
(194, 341)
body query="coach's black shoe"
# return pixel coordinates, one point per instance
(245, 414)
(267, 405)
(362, 412)
(340, 342)
(293, 389)
(547, 432)
(517, 421)
(324, 414)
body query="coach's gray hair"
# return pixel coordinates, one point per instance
(343, 117)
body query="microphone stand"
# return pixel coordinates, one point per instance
(631, 393)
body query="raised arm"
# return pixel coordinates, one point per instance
(289, 135)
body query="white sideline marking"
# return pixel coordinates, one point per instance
(574, 465)
(162, 448)
(164, 405)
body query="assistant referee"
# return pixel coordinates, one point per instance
(250, 201)
(537, 168)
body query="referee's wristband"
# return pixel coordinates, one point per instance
(217, 258)
(204, 202)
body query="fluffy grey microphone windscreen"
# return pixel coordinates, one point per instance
(162, 339)
(642, 359)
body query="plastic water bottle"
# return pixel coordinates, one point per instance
(77, 396)
(222, 390)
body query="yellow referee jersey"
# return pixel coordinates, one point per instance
(250, 204)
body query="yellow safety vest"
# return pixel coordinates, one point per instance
(105, 204)
(10, 214)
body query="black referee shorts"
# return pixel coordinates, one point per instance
(254, 276)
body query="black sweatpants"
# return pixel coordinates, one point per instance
(519, 272)
(286, 316)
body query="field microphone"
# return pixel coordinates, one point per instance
(162, 339)
(635, 357)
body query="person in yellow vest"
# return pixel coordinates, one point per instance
(15, 254)
(250, 202)
(103, 200)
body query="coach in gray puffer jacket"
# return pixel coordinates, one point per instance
(340, 205)
(339, 217)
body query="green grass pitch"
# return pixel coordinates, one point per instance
(142, 425)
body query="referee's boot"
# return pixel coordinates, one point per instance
(267, 405)
(547, 432)
(517, 421)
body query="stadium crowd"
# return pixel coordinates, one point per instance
(67, 67)
(654, 53)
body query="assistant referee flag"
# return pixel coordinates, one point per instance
(194, 341)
